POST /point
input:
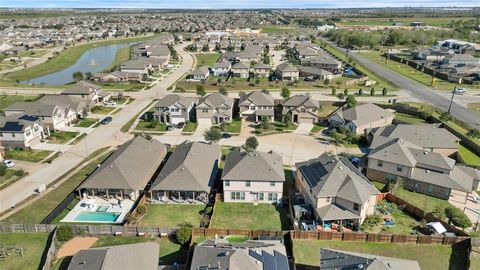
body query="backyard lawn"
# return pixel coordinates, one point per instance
(190, 127)
(409, 119)
(206, 59)
(86, 122)
(170, 215)
(249, 216)
(27, 155)
(307, 252)
(33, 246)
(102, 109)
(317, 128)
(151, 126)
(468, 156)
(6, 101)
(325, 111)
(61, 137)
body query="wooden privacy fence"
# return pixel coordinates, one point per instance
(50, 251)
(88, 229)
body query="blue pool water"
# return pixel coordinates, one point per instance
(97, 216)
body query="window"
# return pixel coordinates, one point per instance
(13, 135)
(205, 110)
(237, 196)
(327, 199)
(247, 183)
(399, 168)
(272, 196)
(430, 188)
(272, 184)
(303, 110)
(355, 206)
(29, 133)
(380, 163)
(260, 196)
(227, 183)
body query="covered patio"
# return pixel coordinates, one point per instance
(333, 217)
(178, 197)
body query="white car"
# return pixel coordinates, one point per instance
(8, 163)
(110, 103)
(460, 91)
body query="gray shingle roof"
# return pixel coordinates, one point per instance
(334, 212)
(81, 87)
(363, 114)
(171, 99)
(129, 167)
(285, 67)
(257, 98)
(222, 64)
(253, 166)
(191, 167)
(339, 259)
(298, 100)
(215, 100)
(200, 71)
(33, 108)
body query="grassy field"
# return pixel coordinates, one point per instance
(102, 109)
(122, 55)
(277, 29)
(206, 59)
(307, 252)
(86, 122)
(27, 155)
(190, 127)
(248, 216)
(36, 212)
(170, 215)
(431, 21)
(33, 246)
(409, 119)
(468, 156)
(62, 137)
(9, 178)
(6, 100)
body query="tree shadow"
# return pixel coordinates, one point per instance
(459, 259)
(65, 262)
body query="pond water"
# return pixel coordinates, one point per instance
(94, 60)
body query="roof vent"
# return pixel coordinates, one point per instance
(340, 167)
(182, 169)
(427, 171)
(425, 153)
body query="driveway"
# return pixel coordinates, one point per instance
(303, 129)
(203, 125)
(247, 128)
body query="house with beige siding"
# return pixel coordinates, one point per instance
(215, 106)
(20, 130)
(253, 177)
(336, 190)
(174, 108)
(301, 108)
(241, 70)
(222, 68)
(359, 118)
(87, 91)
(287, 72)
(51, 116)
(255, 105)
(261, 70)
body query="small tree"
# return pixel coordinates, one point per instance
(88, 75)
(251, 144)
(265, 124)
(360, 91)
(334, 91)
(341, 96)
(345, 92)
(222, 90)
(257, 81)
(184, 233)
(384, 91)
(201, 90)
(372, 91)
(474, 133)
(77, 76)
(439, 212)
(287, 119)
(445, 117)
(141, 209)
(351, 101)
(457, 217)
(326, 82)
(212, 135)
(64, 233)
(285, 92)
(3, 169)
(394, 185)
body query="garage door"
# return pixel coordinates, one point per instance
(306, 120)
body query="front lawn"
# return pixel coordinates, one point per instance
(10, 177)
(151, 126)
(170, 215)
(468, 156)
(307, 252)
(86, 122)
(249, 216)
(62, 137)
(206, 59)
(233, 127)
(102, 109)
(33, 245)
(275, 127)
(317, 128)
(27, 155)
(190, 127)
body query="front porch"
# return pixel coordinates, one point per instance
(177, 197)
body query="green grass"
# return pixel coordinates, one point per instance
(468, 156)
(36, 212)
(307, 252)
(326, 110)
(317, 128)
(102, 109)
(27, 155)
(62, 137)
(9, 178)
(409, 119)
(233, 127)
(151, 126)
(65, 211)
(190, 127)
(86, 122)
(130, 122)
(6, 100)
(277, 29)
(248, 216)
(33, 245)
(431, 21)
(206, 59)
(170, 215)
(122, 55)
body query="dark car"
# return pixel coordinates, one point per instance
(106, 120)
(226, 135)
(180, 125)
(171, 127)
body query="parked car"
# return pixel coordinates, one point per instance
(171, 127)
(460, 91)
(180, 125)
(8, 163)
(106, 120)
(110, 103)
(226, 135)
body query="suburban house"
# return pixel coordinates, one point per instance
(261, 70)
(117, 76)
(188, 175)
(287, 72)
(50, 116)
(86, 91)
(216, 107)
(20, 130)
(253, 177)
(222, 68)
(338, 193)
(326, 63)
(301, 108)
(430, 137)
(127, 257)
(422, 171)
(255, 105)
(253, 255)
(200, 74)
(331, 259)
(240, 70)
(315, 73)
(138, 66)
(74, 107)
(173, 109)
(359, 118)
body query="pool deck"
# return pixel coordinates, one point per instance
(95, 203)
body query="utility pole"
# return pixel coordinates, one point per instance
(451, 100)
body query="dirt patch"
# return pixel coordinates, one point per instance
(73, 246)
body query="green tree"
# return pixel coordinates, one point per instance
(457, 217)
(77, 76)
(287, 119)
(445, 117)
(474, 133)
(257, 81)
(212, 135)
(201, 90)
(265, 122)
(184, 233)
(372, 91)
(222, 90)
(351, 101)
(88, 75)
(251, 144)
(285, 92)
(384, 91)
(345, 92)
(360, 92)
(326, 82)
(3, 169)
(64, 233)
(334, 91)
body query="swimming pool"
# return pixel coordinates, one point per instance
(97, 216)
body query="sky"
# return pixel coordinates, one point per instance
(236, 4)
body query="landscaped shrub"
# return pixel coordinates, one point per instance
(184, 233)
(141, 209)
(64, 233)
(3, 170)
(20, 173)
(457, 217)
(371, 221)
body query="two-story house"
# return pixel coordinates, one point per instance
(20, 130)
(287, 72)
(336, 190)
(301, 108)
(240, 70)
(422, 171)
(173, 109)
(325, 62)
(86, 91)
(216, 107)
(261, 70)
(222, 68)
(255, 105)
(50, 116)
(200, 74)
(359, 118)
(253, 177)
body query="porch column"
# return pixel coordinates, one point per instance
(80, 194)
(178, 195)
(121, 193)
(193, 195)
(106, 192)
(151, 196)
(93, 192)
(341, 223)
